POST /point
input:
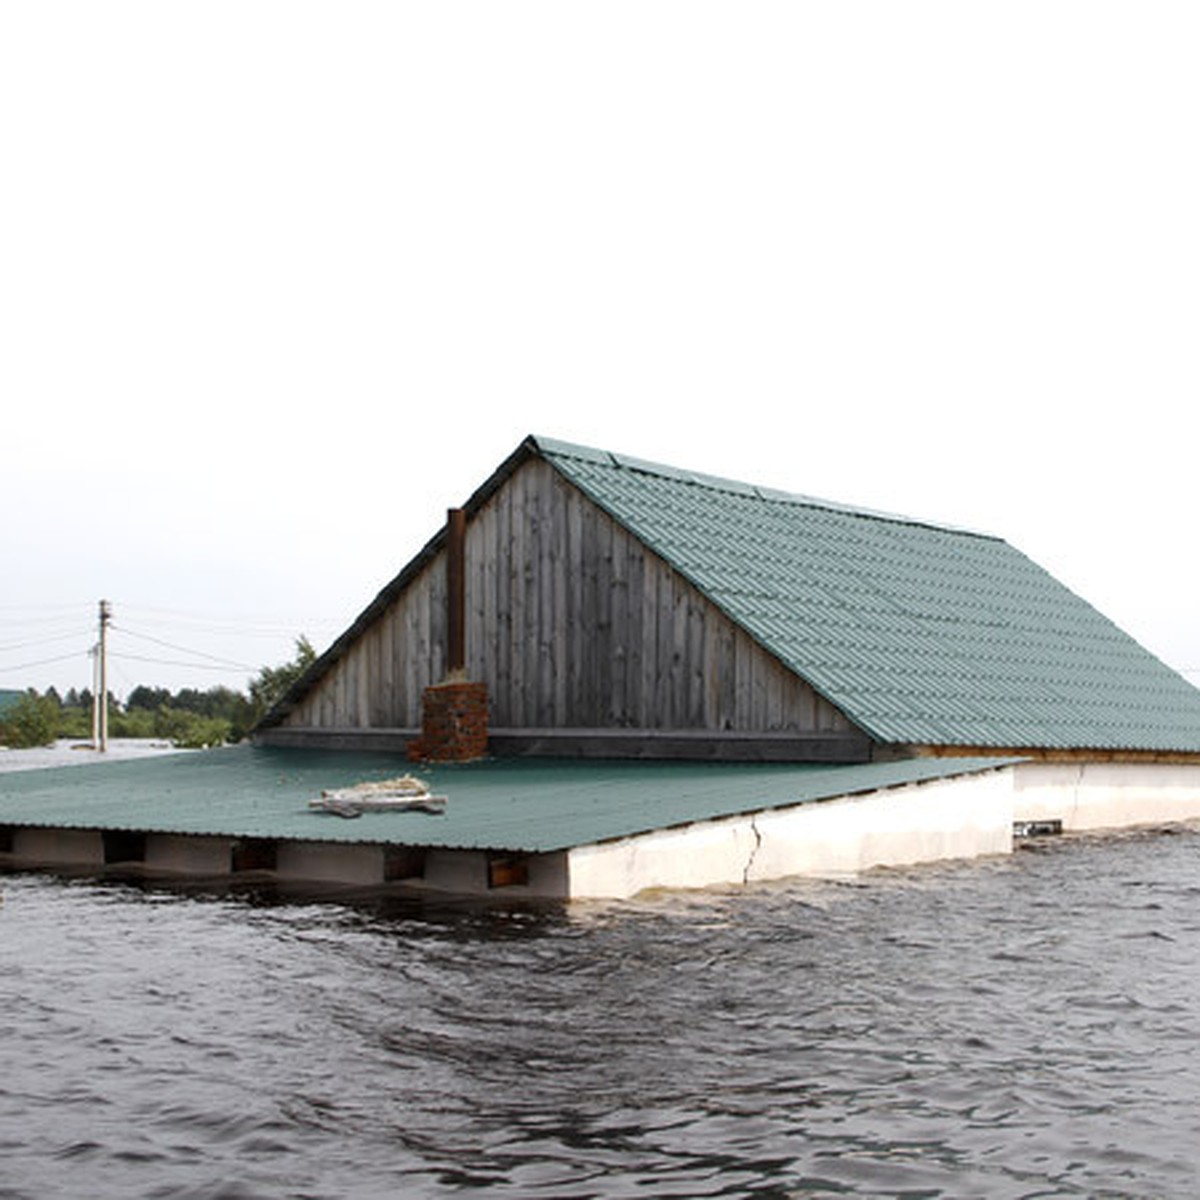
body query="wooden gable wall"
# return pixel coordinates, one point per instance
(572, 624)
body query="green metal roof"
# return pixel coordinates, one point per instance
(919, 633)
(512, 804)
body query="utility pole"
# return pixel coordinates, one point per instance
(94, 655)
(100, 702)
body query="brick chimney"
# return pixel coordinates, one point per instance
(454, 713)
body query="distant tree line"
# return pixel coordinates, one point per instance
(188, 718)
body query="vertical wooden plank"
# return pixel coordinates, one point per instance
(420, 664)
(805, 707)
(405, 653)
(743, 681)
(776, 718)
(517, 598)
(341, 702)
(679, 648)
(571, 603)
(481, 635)
(588, 616)
(619, 630)
(380, 701)
(418, 642)
(635, 635)
(530, 641)
(472, 599)
(709, 678)
(694, 663)
(329, 701)
(402, 710)
(367, 676)
(648, 697)
(502, 711)
(439, 627)
(758, 702)
(543, 589)
(603, 619)
(406, 644)
(387, 654)
(664, 645)
(558, 493)
(357, 662)
(727, 668)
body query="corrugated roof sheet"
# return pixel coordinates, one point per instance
(919, 633)
(514, 804)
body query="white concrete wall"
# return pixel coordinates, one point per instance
(962, 817)
(329, 862)
(58, 848)
(1106, 795)
(458, 872)
(693, 856)
(465, 873)
(188, 855)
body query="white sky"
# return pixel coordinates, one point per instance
(280, 282)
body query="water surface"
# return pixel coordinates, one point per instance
(1010, 1028)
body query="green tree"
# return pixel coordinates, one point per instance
(272, 683)
(148, 698)
(190, 730)
(32, 721)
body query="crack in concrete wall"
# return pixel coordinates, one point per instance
(754, 852)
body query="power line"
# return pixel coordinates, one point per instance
(41, 663)
(183, 649)
(29, 622)
(58, 637)
(174, 662)
(62, 605)
(282, 622)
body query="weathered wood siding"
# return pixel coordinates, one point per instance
(377, 684)
(571, 623)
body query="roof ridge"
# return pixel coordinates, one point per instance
(556, 448)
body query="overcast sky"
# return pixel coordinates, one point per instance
(280, 282)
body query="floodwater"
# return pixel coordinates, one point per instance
(1023, 1027)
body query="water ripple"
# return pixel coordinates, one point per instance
(1013, 1028)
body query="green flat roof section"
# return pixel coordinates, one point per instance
(513, 804)
(919, 633)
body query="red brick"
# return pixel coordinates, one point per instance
(454, 723)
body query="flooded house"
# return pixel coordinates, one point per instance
(626, 675)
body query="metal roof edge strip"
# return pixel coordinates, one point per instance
(552, 448)
(897, 774)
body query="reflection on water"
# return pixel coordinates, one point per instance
(1012, 1028)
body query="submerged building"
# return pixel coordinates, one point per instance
(867, 689)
